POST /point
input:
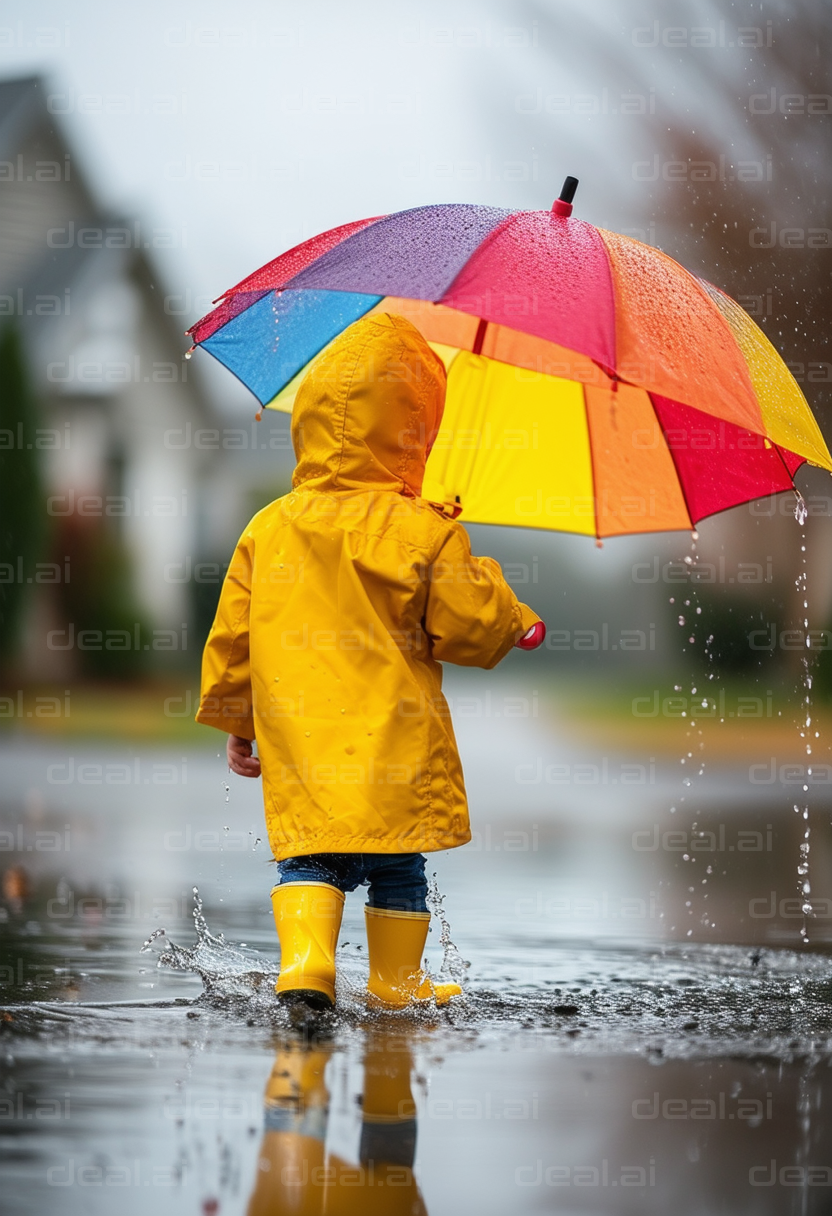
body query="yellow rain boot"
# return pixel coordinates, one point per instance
(308, 918)
(395, 941)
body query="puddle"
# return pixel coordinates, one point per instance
(618, 1080)
(594, 1064)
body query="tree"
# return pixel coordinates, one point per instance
(21, 529)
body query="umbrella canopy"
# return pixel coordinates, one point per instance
(594, 385)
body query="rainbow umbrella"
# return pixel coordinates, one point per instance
(594, 385)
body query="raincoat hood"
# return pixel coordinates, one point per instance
(368, 411)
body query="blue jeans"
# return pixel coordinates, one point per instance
(396, 880)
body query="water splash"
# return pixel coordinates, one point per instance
(225, 970)
(801, 511)
(454, 966)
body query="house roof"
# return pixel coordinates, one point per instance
(21, 101)
(29, 210)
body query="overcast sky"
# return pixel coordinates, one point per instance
(248, 127)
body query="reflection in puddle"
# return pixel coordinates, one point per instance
(219, 1112)
(299, 1170)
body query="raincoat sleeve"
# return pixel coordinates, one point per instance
(226, 699)
(473, 617)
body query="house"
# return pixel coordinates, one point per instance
(116, 392)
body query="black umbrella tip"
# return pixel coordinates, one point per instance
(563, 203)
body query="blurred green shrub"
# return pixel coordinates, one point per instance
(21, 505)
(100, 597)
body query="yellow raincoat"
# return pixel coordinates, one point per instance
(341, 602)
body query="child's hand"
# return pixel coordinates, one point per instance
(240, 759)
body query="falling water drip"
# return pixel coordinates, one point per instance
(804, 885)
(694, 765)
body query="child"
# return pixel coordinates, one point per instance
(342, 600)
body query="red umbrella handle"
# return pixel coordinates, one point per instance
(533, 637)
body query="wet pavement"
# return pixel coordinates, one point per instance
(641, 1029)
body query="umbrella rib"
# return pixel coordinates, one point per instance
(592, 465)
(790, 476)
